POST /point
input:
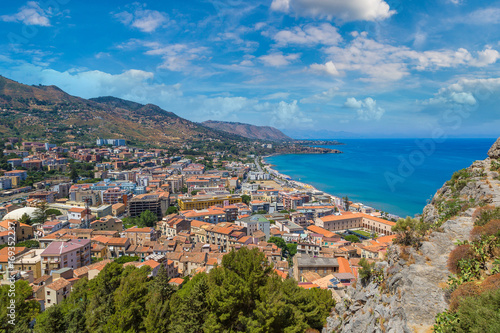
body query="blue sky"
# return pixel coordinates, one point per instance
(311, 68)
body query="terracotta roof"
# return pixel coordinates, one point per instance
(59, 284)
(177, 281)
(341, 217)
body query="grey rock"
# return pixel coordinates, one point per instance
(494, 151)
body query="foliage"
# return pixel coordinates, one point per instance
(32, 244)
(40, 214)
(352, 238)
(146, 219)
(409, 231)
(485, 214)
(280, 242)
(461, 252)
(492, 228)
(246, 198)
(25, 311)
(366, 270)
(53, 211)
(26, 219)
(242, 295)
(474, 314)
(125, 259)
(172, 210)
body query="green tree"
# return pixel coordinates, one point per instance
(246, 198)
(25, 310)
(352, 238)
(409, 231)
(172, 210)
(40, 214)
(346, 203)
(26, 219)
(73, 175)
(366, 270)
(280, 242)
(148, 218)
(52, 211)
(51, 321)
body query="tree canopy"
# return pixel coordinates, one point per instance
(242, 295)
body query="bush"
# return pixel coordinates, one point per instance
(459, 253)
(491, 283)
(464, 290)
(492, 228)
(480, 314)
(485, 214)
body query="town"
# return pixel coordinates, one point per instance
(74, 208)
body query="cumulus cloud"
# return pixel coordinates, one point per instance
(176, 57)
(278, 59)
(288, 115)
(343, 10)
(31, 14)
(328, 68)
(482, 16)
(324, 96)
(383, 62)
(145, 20)
(222, 107)
(366, 109)
(467, 92)
(310, 34)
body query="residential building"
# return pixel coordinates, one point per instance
(74, 254)
(204, 201)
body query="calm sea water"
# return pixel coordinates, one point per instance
(393, 175)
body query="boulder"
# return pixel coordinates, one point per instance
(494, 151)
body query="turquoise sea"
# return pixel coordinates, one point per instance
(394, 175)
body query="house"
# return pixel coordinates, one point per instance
(172, 224)
(74, 254)
(138, 236)
(56, 292)
(108, 223)
(321, 266)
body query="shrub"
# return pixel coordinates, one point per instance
(491, 283)
(464, 290)
(492, 228)
(485, 214)
(459, 253)
(480, 314)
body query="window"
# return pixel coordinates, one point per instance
(48, 293)
(48, 301)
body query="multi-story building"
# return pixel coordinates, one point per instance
(22, 174)
(205, 201)
(171, 225)
(5, 183)
(138, 236)
(115, 195)
(74, 254)
(156, 203)
(108, 223)
(210, 215)
(48, 196)
(56, 292)
(254, 223)
(322, 266)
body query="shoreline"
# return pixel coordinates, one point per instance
(273, 172)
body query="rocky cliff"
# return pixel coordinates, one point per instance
(411, 289)
(248, 131)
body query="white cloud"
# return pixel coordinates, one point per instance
(278, 95)
(322, 97)
(343, 10)
(288, 115)
(467, 92)
(277, 59)
(31, 14)
(482, 16)
(384, 62)
(310, 34)
(176, 57)
(222, 107)
(328, 68)
(366, 109)
(145, 20)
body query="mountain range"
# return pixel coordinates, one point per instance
(50, 114)
(248, 131)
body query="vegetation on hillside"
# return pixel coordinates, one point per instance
(474, 286)
(242, 295)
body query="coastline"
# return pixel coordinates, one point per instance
(336, 200)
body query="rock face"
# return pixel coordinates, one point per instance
(412, 292)
(248, 131)
(494, 151)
